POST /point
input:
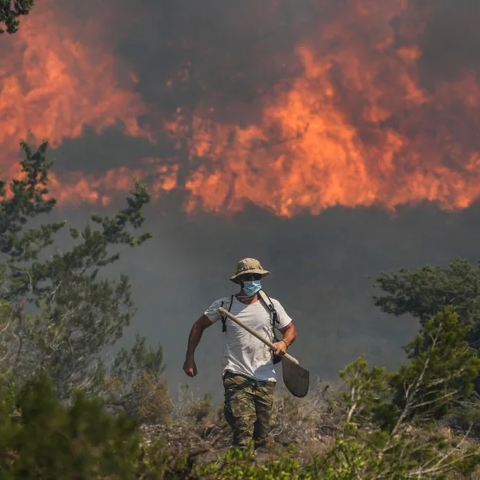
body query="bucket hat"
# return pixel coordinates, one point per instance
(248, 265)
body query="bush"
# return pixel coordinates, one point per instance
(390, 428)
(40, 438)
(236, 464)
(153, 404)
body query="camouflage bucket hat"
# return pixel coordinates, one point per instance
(248, 265)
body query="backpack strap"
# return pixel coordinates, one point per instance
(267, 302)
(224, 318)
(265, 299)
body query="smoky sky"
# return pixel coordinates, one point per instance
(236, 54)
(451, 41)
(322, 271)
(322, 266)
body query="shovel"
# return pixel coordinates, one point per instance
(295, 377)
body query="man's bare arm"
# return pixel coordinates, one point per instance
(289, 335)
(194, 338)
(196, 334)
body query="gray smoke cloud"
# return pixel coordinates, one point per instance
(322, 266)
(322, 271)
(451, 41)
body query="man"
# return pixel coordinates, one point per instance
(249, 376)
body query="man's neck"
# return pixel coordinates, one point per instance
(241, 297)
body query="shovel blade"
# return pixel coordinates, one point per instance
(295, 378)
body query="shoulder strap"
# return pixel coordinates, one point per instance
(264, 298)
(269, 304)
(224, 319)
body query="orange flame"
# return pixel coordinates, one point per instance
(355, 127)
(52, 86)
(76, 188)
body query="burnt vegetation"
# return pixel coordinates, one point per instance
(67, 412)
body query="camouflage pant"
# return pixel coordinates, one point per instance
(248, 407)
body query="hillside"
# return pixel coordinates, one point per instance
(302, 430)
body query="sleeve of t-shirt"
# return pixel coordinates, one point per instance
(283, 317)
(212, 312)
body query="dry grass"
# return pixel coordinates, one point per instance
(303, 420)
(198, 427)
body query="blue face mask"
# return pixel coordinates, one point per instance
(253, 287)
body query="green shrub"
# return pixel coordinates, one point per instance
(41, 438)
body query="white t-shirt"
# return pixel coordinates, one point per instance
(243, 353)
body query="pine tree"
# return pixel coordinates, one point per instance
(391, 418)
(64, 311)
(424, 291)
(10, 11)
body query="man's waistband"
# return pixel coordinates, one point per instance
(230, 374)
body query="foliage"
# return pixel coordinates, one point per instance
(241, 465)
(40, 438)
(6, 313)
(423, 292)
(152, 402)
(135, 383)
(441, 371)
(10, 11)
(157, 463)
(64, 314)
(140, 358)
(388, 430)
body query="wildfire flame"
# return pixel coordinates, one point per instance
(354, 127)
(51, 87)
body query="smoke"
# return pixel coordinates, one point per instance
(322, 269)
(451, 41)
(284, 129)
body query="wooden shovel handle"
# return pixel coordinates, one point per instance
(255, 334)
